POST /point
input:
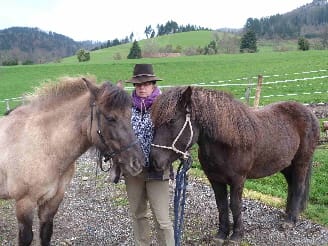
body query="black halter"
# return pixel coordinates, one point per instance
(108, 155)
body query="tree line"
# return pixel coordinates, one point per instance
(310, 21)
(27, 45)
(169, 28)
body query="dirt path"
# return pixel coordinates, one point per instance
(96, 213)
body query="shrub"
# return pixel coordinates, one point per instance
(83, 55)
(303, 44)
(10, 62)
(27, 62)
(117, 56)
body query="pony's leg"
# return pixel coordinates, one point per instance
(298, 178)
(287, 172)
(48, 210)
(24, 214)
(236, 191)
(221, 197)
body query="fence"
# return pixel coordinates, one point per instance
(228, 83)
(7, 101)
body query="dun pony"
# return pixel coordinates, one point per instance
(237, 143)
(40, 141)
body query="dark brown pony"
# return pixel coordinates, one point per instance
(237, 143)
(40, 141)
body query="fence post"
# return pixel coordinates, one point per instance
(258, 91)
(23, 99)
(7, 104)
(248, 94)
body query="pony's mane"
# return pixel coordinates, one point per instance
(116, 97)
(218, 114)
(56, 91)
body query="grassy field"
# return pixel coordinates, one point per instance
(293, 75)
(285, 73)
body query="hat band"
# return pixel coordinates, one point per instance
(144, 74)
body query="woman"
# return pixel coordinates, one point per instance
(151, 186)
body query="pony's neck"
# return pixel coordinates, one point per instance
(68, 122)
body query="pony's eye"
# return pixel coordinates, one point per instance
(110, 118)
(171, 121)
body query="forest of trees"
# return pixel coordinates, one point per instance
(32, 45)
(169, 28)
(310, 21)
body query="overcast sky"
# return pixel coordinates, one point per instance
(102, 20)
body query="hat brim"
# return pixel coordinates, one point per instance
(142, 79)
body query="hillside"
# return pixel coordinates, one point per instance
(33, 45)
(25, 45)
(310, 21)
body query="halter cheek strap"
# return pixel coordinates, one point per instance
(109, 155)
(185, 153)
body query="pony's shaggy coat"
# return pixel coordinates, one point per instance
(236, 127)
(237, 142)
(41, 139)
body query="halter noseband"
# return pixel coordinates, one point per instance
(109, 155)
(185, 153)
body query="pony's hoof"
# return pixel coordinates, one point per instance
(233, 243)
(220, 238)
(219, 241)
(286, 225)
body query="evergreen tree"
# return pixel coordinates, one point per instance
(303, 44)
(211, 48)
(248, 42)
(131, 37)
(148, 31)
(135, 51)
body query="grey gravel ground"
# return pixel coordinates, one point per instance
(95, 212)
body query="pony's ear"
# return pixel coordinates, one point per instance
(120, 84)
(94, 90)
(186, 98)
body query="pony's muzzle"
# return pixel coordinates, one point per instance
(156, 164)
(136, 167)
(133, 167)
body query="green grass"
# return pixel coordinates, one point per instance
(236, 70)
(231, 73)
(273, 189)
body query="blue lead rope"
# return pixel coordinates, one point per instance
(181, 180)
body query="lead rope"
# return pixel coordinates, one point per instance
(181, 180)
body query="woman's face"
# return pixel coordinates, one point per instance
(144, 89)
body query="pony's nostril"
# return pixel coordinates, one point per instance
(155, 164)
(135, 165)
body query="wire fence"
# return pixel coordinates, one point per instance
(8, 101)
(241, 82)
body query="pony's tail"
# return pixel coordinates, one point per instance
(305, 197)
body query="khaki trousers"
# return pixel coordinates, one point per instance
(156, 192)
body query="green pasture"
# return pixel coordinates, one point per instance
(318, 201)
(183, 40)
(284, 74)
(292, 75)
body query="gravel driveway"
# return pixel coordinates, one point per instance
(96, 213)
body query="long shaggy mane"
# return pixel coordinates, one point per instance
(67, 88)
(51, 92)
(220, 116)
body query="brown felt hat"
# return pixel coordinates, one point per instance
(143, 73)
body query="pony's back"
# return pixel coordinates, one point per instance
(303, 119)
